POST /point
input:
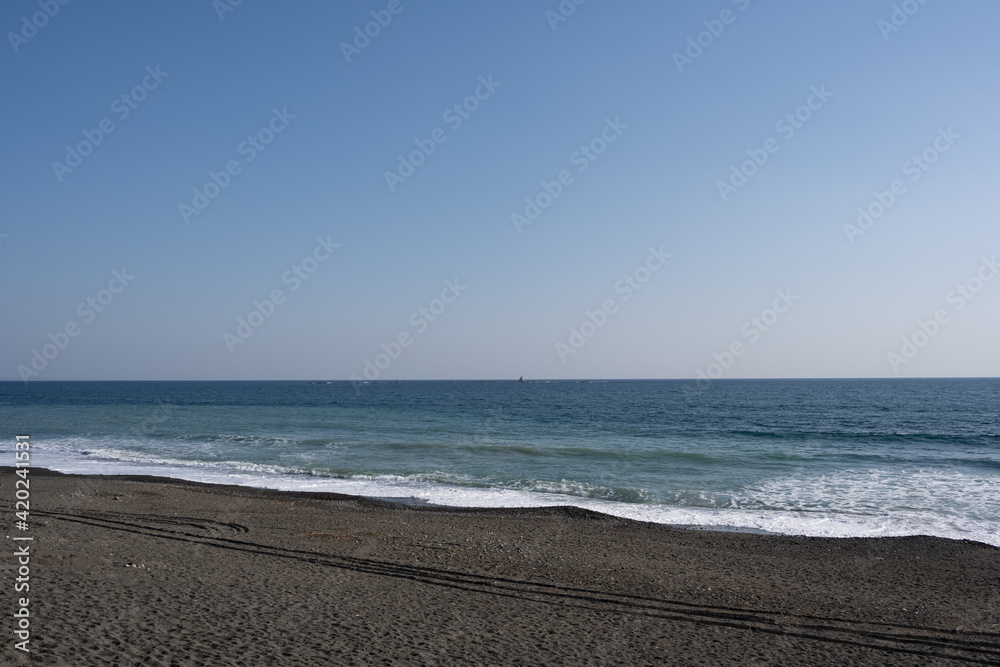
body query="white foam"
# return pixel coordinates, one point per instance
(868, 504)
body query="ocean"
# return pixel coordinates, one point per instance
(837, 458)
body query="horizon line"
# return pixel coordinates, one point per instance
(529, 380)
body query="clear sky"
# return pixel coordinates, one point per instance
(605, 190)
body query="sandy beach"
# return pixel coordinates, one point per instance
(153, 571)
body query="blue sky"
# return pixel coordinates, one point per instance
(873, 84)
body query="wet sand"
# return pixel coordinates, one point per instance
(140, 570)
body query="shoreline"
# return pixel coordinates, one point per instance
(571, 501)
(413, 502)
(170, 570)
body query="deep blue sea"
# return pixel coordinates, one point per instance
(806, 457)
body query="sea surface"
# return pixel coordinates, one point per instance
(804, 457)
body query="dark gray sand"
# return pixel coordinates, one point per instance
(130, 570)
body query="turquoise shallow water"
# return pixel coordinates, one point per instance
(815, 457)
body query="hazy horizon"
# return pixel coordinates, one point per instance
(528, 380)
